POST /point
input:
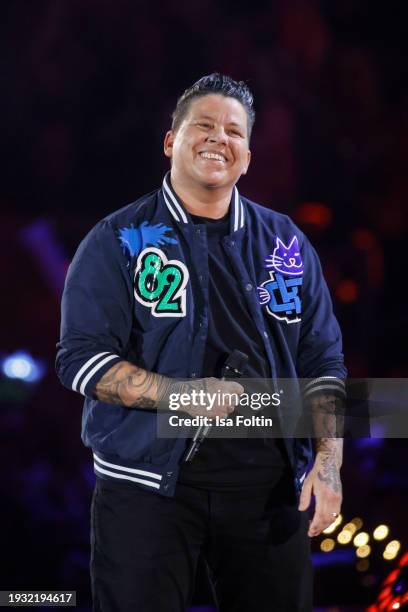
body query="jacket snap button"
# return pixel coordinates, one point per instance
(248, 287)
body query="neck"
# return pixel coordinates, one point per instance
(212, 203)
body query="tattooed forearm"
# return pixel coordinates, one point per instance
(329, 470)
(128, 385)
(328, 420)
(328, 416)
(131, 386)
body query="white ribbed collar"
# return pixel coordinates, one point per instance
(179, 213)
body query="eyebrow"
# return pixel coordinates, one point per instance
(212, 119)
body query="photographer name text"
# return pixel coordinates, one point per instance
(205, 421)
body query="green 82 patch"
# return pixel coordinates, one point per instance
(160, 283)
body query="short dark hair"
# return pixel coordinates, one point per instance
(215, 83)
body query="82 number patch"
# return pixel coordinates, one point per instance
(160, 283)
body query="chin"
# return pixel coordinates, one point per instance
(213, 179)
(214, 184)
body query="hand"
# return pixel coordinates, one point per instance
(324, 482)
(208, 397)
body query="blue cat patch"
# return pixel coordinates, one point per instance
(286, 259)
(280, 294)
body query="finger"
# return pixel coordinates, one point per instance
(227, 410)
(234, 387)
(305, 496)
(321, 520)
(317, 526)
(314, 529)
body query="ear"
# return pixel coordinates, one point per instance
(248, 161)
(168, 143)
(294, 241)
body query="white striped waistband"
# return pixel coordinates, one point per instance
(126, 473)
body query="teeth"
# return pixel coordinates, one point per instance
(208, 155)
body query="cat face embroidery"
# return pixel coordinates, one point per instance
(286, 259)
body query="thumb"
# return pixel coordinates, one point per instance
(305, 495)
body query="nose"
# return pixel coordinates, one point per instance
(217, 134)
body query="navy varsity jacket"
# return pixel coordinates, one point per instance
(137, 290)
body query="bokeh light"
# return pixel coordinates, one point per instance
(327, 545)
(347, 291)
(391, 550)
(362, 565)
(20, 365)
(344, 537)
(357, 521)
(361, 539)
(363, 551)
(381, 532)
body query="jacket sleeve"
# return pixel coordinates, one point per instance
(96, 313)
(320, 357)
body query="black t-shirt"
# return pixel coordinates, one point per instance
(228, 463)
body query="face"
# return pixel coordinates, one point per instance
(210, 148)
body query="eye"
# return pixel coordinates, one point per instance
(297, 254)
(235, 133)
(204, 124)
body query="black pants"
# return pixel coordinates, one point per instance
(145, 549)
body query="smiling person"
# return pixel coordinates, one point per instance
(157, 297)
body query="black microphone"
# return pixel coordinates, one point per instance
(232, 368)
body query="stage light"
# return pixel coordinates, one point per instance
(381, 532)
(393, 545)
(361, 539)
(362, 565)
(368, 580)
(333, 525)
(350, 527)
(364, 239)
(317, 214)
(22, 366)
(357, 521)
(344, 537)
(391, 550)
(404, 560)
(363, 551)
(396, 605)
(347, 291)
(327, 545)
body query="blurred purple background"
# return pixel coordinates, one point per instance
(88, 88)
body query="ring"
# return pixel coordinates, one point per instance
(335, 514)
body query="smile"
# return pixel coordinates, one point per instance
(216, 156)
